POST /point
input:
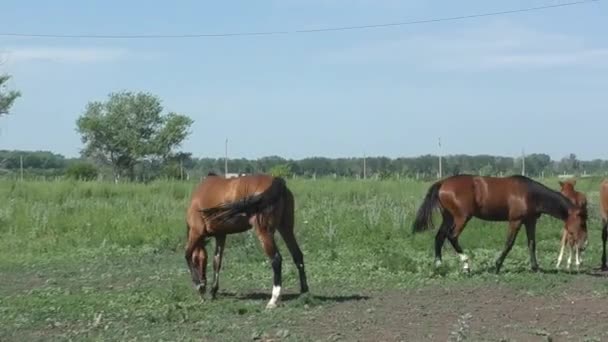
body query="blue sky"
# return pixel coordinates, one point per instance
(535, 80)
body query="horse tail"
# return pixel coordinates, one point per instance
(424, 217)
(261, 203)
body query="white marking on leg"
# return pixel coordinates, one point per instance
(569, 258)
(200, 286)
(437, 262)
(276, 292)
(465, 260)
(577, 259)
(560, 256)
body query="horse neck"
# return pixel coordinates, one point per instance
(551, 202)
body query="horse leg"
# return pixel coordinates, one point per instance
(200, 262)
(569, 262)
(220, 241)
(511, 236)
(577, 260)
(266, 237)
(604, 238)
(441, 235)
(196, 256)
(287, 233)
(531, 234)
(296, 254)
(453, 238)
(561, 250)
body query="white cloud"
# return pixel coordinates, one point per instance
(497, 47)
(14, 55)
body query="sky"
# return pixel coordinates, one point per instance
(535, 81)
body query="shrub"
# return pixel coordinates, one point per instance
(82, 171)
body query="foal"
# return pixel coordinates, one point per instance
(580, 200)
(221, 206)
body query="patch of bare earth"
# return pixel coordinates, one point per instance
(450, 314)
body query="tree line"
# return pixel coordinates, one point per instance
(185, 166)
(128, 136)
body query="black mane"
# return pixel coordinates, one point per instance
(547, 200)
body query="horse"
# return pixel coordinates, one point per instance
(516, 199)
(580, 200)
(221, 206)
(604, 215)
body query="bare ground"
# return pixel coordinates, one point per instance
(484, 313)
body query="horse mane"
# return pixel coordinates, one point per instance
(547, 200)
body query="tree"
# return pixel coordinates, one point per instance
(6, 98)
(281, 170)
(129, 128)
(82, 171)
(570, 163)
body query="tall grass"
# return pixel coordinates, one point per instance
(342, 221)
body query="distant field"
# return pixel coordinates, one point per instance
(99, 261)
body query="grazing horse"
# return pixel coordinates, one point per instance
(580, 200)
(517, 199)
(221, 206)
(604, 214)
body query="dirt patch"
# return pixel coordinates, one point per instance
(450, 314)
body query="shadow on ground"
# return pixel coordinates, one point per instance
(293, 296)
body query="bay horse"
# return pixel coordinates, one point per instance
(516, 199)
(604, 215)
(580, 200)
(221, 206)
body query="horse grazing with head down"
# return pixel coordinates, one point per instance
(580, 200)
(604, 215)
(516, 199)
(221, 206)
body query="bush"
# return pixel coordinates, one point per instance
(281, 170)
(82, 171)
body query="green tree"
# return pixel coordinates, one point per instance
(129, 128)
(82, 171)
(281, 170)
(6, 98)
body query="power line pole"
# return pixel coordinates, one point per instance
(181, 168)
(364, 167)
(226, 158)
(440, 166)
(523, 162)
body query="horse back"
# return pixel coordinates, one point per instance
(213, 191)
(489, 198)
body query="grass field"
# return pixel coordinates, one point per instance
(92, 261)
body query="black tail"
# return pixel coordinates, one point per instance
(424, 217)
(249, 205)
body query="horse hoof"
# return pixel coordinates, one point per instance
(214, 293)
(270, 306)
(201, 289)
(604, 268)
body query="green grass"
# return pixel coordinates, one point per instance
(105, 262)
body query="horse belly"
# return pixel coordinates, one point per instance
(493, 214)
(238, 224)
